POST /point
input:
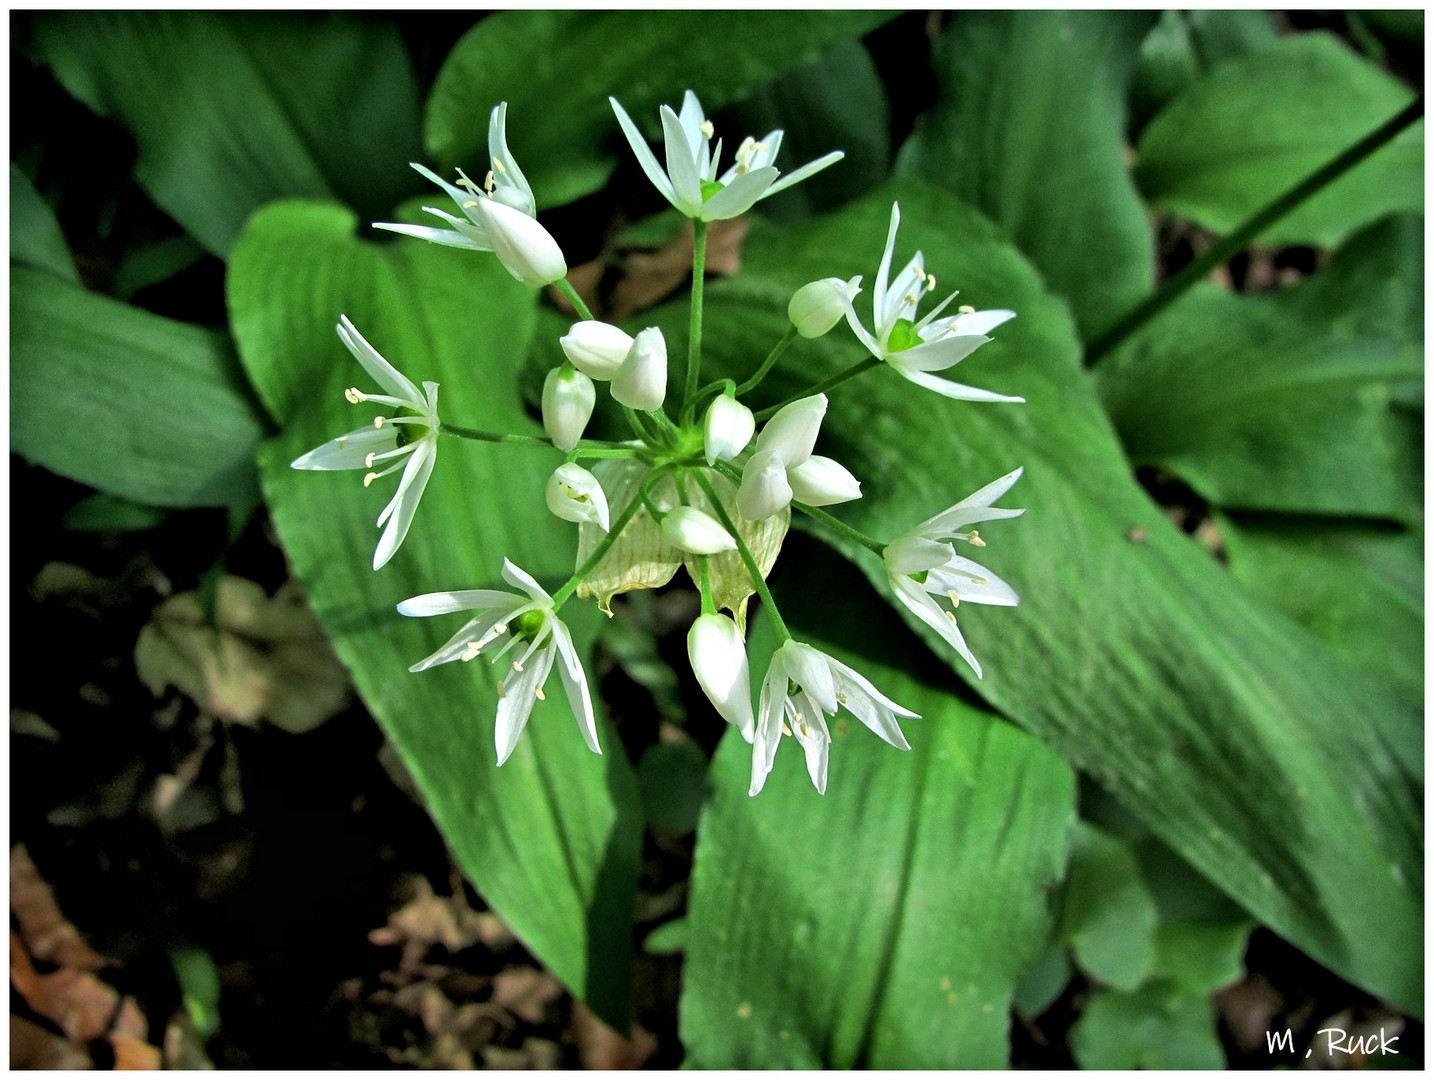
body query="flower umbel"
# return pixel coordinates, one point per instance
(931, 579)
(915, 349)
(407, 441)
(804, 686)
(782, 466)
(690, 181)
(525, 625)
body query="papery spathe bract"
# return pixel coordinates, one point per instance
(931, 580)
(574, 494)
(819, 305)
(568, 400)
(719, 660)
(408, 441)
(640, 381)
(802, 688)
(595, 348)
(917, 348)
(691, 530)
(727, 429)
(525, 625)
(690, 181)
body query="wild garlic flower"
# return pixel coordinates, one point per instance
(727, 429)
(568, 400)
(597, 349)
(782, 466)
(803, 686)
(574, 494)
(690, 181)
(640, 381)
(407, 440)
(931, 579)
(719, 660)
(526, 626)
(819, 305)
(696, 532)
(499, 217)
(917, 348)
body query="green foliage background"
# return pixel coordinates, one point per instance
(1257, 715)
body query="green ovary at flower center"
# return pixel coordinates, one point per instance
(408, 433)
(903, 336)
(528, 625)
(710, 188)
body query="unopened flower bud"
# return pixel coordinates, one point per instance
(819, 305)
(524, 247)
(596, 348)
(719, 660)
(574, 494)
(727, 430)
(691, 530)
(568, 399)
(820, 481)
(764, 489)
(641, 380)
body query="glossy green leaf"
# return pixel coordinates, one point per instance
(556, 69)
(139, 406)
(35, 236)
(1258, 124)
(1043, 982)
(1201, 957)
(886, 923)
(1357, 587)
(1183, 45)
(673, 779)
(1156, 1027)
(1109, 915)
(1039, 146)
(1277, 771)
(551, 839)
(232, 109)
(1283, 402)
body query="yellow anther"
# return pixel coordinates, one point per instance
(955, 600)
(930, 282)
(355, 395)
(469, 203)
(975, 539)
(538, 693)
(499, 165)
(369, 478)
(965, 309)
(841, 698)
(368, 461)
(500, 629)
(502, 690)
(707, 129)
(920, 274)
(488, 182)
(378, 421)
(517, 666)
(980, 581)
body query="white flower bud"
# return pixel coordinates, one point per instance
(524, 247)
(792, 432)
(719, 660)
(596, 348)
(568, 399)
(820, 481)
(641, 380)
(819, 305)
(574, 494)
(727, 430)
(691, 530)
(764, 489)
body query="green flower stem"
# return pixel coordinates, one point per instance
(520, 440)
(604, 452)
(823, 386)
(664, 424)
(838, 526)
(752, 569)
(628, 513)
(1176, 286)
(772, 357)
(571, 293)
(704, 585)
(694, 334)
(640, 429)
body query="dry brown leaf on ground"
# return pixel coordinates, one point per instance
(47, 935)
(526, 992)
(649, 277)
(600, 1047)
(534, 1054)
(429, 919)
(268, 659)
(34, 1047)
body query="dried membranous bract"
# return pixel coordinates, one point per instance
(707, 477)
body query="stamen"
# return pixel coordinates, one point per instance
(975, 539)
(369, 478)
(841, 698)
(368, 462)
(707, 129)
(502, 690)
(499, 166)
(930, 282)
(471, 651)
(463, 181)
(955, 600)
(951, 615)
(488, 182)
(517, 666)
(965, 309)
(538, 693)
(980, 581)
(378, 421)
(355, 395)
(920, 274)
(500, 628)
(469, 203)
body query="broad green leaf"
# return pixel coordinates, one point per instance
(230, 110)
(139, 406)
(1183, 45)
(1200, 957)
(673, 780)
(556, 70)
(35, 236)
(105, 513)
(1156, 1027)
(1357, 587)
(1043, 982)
(1039, 146)
(886, 923)
(552, 838)
(1260, 123)
(1265, 762)
(1109, 915)
(1283, 402)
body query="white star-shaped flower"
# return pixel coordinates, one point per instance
(690, 181)
(926, 573)
(526, 626)
(499, 217)
(917, 348)
(407, 441)
(804, 686)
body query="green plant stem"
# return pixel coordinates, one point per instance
(823, 386)
(839, 526)
(571, 293)
(704, 585)
(1231, 245)
(521, 440)
(772, 357)
(694, 334)
(604, 452)
(640, 429)
(753, 570)
(629, 511)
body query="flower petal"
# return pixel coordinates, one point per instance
(816, 740)
(820, 481)
(811, 168)
(410, 491)
(379, 369)
(972, 582)
(738, 196)
(765, 490)
(770, 709)
(792, 432)
(681, 166)
(443, 603)
(883, 274)
(447, 237)
(644, 154)
(575, 684)
(933, 615)
(510, 185)
(349, 451)
(972, 509)
(913, 554)
(515, 701)
(939, 354)
(460, 643)
(946, 388)
(517, 576)
(810, 669)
